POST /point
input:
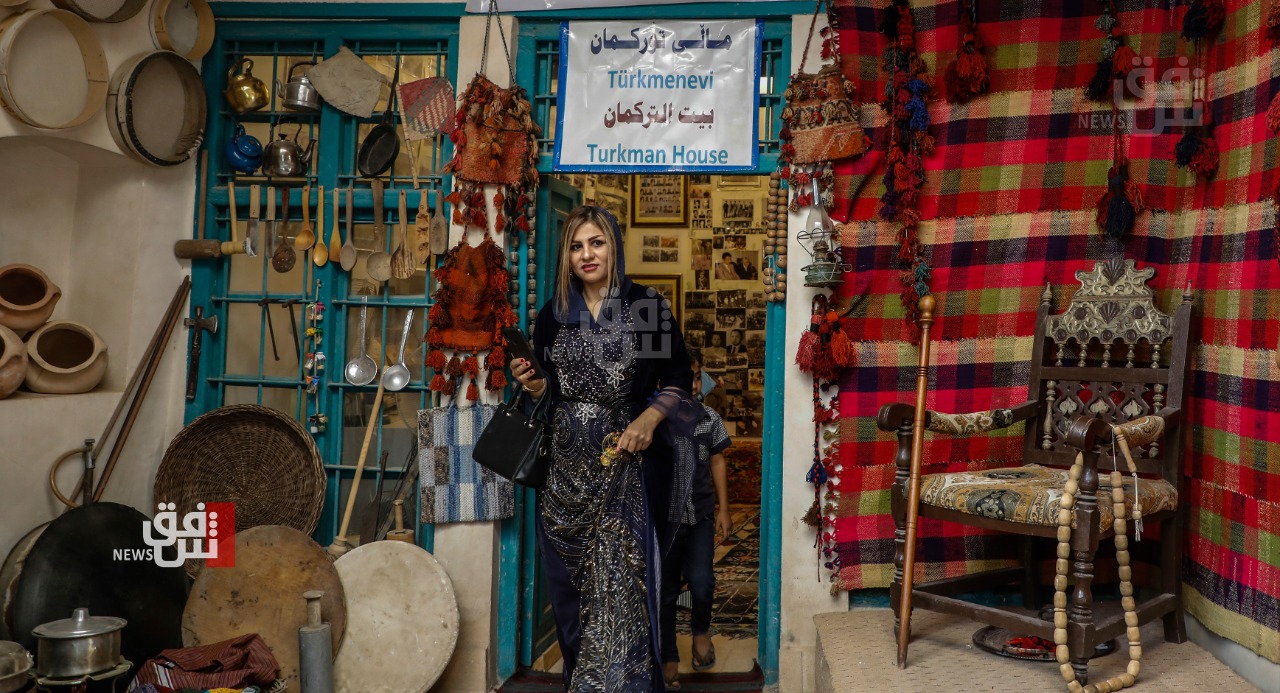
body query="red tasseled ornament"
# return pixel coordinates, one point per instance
(453, 369)
(1273, 115)
(435, 360)
(450, 388)
(1123, 62)
(842, 351)
(806, 353)
(438, 383)
(1119, 207)
(471, 366)
(497, 380)
(473, 392)
(1215, 15)
(1272, 24)
(1205, 162)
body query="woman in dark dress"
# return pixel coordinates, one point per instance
(616, 367)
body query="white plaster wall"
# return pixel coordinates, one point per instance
(803, 593)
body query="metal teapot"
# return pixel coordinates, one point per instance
(284, 157)
(300, 94)
(243, 151)
(245, 92)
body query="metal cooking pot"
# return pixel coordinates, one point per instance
(299, 93)
(15, 667)
(285, 157)
(78, 646)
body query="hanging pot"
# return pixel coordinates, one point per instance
(285, 157)
(243, 151)
(299, 93)
(245, 92)
(78, 646)
(382, 144)
(65, 357)
(27, 297)
(13, 362)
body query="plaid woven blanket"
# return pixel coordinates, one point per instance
(1008, 205)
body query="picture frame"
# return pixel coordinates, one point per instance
(749, 182)
(659, 200)
(669, 286)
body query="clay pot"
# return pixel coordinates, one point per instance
(27, 297)
(13, 361)
(65, 358)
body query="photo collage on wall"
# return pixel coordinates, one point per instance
(724, 310)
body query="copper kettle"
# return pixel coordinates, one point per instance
(245, 92)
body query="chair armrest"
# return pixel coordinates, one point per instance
(1086, 431)
(898, 414)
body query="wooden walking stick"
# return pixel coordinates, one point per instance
(913, 483)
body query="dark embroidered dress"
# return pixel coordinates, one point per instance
(601, 528)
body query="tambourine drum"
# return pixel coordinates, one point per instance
(9, 573)
(53, 73)
(156, 108)
(402, 619)
(109, 11)
(182, 26)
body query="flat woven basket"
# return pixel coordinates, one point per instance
(250, 455)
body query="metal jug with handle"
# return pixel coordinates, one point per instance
(245, 92)
(285, 157)
(243, 151)
(300, 94)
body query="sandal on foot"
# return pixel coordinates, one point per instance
(673, 683)
(700, 664)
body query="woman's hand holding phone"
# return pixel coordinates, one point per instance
(526, 375)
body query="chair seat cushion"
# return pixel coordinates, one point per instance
(1030, 494)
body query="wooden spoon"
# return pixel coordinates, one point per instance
(349, 253)
(320, 256)
(402, 259)
(335, 238)
(306, 236)
(378, 264)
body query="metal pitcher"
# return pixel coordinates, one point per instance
(285, 158)
(300, 94)
(245, 92)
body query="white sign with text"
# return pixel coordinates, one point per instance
(661, 96)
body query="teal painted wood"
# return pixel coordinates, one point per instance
(773, 439)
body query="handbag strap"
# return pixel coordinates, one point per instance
(484, 54)
(817, 7)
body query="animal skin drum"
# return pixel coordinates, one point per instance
(108, 11)
(262, 593)
(156, 108)
(53, 73)
(182, 26)
(402, 620)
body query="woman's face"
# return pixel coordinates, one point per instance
(589, 255)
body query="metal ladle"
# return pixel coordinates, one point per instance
(396, 376)
(361, 370)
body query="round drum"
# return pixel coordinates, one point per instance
(402, 619)
(182, 26)
(110, 11)
(53, 73)
(156, 108)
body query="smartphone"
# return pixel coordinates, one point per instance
(519, 347)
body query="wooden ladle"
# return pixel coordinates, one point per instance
(306, 235)
(349, 255)
(320, 256)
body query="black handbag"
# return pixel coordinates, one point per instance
(515, 445)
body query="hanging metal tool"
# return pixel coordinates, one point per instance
(271, 330)
(198, 325)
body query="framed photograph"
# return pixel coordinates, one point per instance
(740, 182)
(659, 200)
(738, 213)
(667, 285)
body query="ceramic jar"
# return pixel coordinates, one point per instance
(27, 297)
(65, 357)
(13, 361)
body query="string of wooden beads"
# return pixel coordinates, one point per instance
(1062, 652)
(775, 245)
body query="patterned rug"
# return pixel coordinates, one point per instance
(735, 609)
(742, 471)
(1008, 205)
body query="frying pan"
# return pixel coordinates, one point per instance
(381, 145)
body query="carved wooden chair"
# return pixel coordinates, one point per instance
(1111, 359)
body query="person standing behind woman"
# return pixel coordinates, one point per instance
(619, 380)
